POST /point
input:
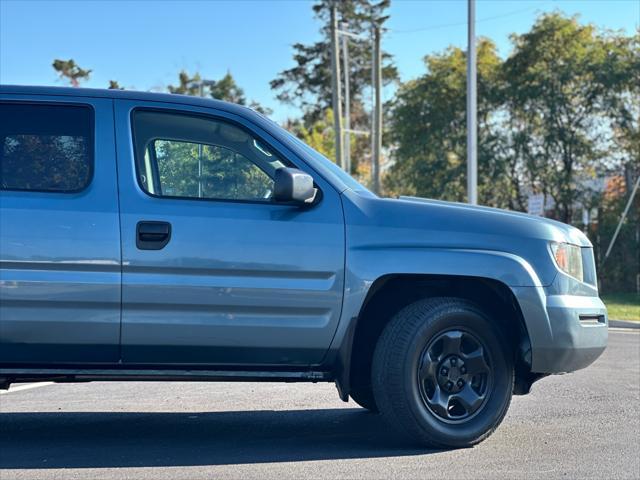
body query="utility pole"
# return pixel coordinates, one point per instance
(347, 131)
(347, 102)
(377, 117)
(472, 128)
(201, 84)
(201, 91)
(335, 85)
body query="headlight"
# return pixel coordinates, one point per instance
(568, 258)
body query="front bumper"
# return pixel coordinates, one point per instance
(579, 328)
(567, 332)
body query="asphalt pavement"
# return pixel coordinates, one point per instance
(576, 426)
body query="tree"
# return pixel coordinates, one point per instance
(320, 135)
(187, 85)
(69, 70)
(559, 116)
(307, 84)
(225, 89)
(114, 85)
(228, 90)
(555, 95)
(621, 76)
(428, 130)
(542, 117)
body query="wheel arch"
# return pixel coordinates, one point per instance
(390, 293)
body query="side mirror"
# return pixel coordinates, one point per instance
(293, 185)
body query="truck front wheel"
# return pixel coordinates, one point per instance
(442, 373)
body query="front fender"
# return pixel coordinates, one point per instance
(366, 264)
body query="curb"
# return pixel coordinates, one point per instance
(624, 324)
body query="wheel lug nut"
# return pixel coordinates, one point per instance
(463, 370)
(449, 385)
(444, 370)
(460, 383)
(453, 362)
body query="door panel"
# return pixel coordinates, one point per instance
(60, 256)
(238, 282)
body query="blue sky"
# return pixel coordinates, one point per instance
(144, 44)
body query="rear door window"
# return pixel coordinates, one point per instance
(46, 148)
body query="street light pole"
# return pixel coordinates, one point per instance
(472, 128)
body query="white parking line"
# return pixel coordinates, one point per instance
(28, 386)
(624, 330)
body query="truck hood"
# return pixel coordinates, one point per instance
(506, 221)
(381, 224)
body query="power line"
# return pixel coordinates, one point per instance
(457, 24)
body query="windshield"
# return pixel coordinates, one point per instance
(328, 166)
(319, 162)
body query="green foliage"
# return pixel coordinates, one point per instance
(187, 85)
(554, 96)
(320, 135)
(623, 306)
(225, 173)
(618, 272)
(543, 118)
(69, 70)
(621, 74)
(572, 98)
(49, 162)
(428, 129)
(225, 89)
(307, 85)
(228, 90)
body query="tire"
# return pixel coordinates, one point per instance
(442, 374)
(363, 396)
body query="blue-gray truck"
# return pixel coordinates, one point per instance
(152, 236)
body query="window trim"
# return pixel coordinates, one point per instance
(93, 148)
(213, 117)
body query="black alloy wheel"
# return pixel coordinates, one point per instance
(454, 375)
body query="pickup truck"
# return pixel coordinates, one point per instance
(150, 236)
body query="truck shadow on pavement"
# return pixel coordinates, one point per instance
(136, 439)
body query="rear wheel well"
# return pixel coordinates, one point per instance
(390, 293)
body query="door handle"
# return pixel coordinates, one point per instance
(152, 235)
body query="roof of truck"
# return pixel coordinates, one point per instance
(125, 95)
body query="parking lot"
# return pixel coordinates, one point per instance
(581, 425)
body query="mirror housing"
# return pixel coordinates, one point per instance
(293, 185)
